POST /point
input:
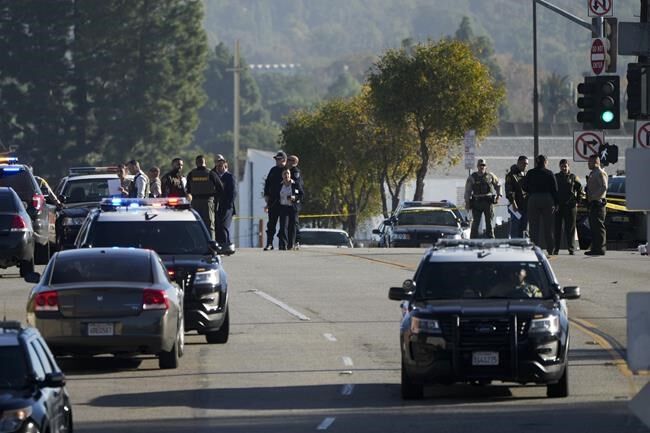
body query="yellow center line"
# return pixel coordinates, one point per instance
(383, 262)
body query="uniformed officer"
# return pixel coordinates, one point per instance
(139, 188)
(517, 198)
(523, 288)
(569, 193)
(203, 186)
(596, 200)
(482, 191)
(172, 183)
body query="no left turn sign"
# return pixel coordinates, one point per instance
(601, 8)
(586, 143)
(643, 134)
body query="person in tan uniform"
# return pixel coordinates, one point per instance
(596, 202)
(482, 191)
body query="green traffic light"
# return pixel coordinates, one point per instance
(607, 116)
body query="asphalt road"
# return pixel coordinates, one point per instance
(314, 347)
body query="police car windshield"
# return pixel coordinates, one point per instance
(465, 280)
(13, 373)
(90, 190)
(426, 217)
(164, 237)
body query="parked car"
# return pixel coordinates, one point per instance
(108, 300)
(43, 215)
(16, 233)
(328, 238)
(177, 233)
(482, 310)
(33, 395)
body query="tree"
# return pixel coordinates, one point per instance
(440, 90)
(555, 97)
(345, 86)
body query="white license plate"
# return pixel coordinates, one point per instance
(485, 358)
(100, 329)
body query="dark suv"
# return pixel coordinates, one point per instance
(43, 216)
(484, 310)
(177, 233)
(32, 386)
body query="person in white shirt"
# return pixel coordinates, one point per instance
(290, 196)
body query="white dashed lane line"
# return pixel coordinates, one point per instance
(347, 361)
(327, 422)
(282, 305)
(329, 337)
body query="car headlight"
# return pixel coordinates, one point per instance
(547, 325)
(207, 277)
(424, 326)
(402, 236)
(67, 221)
(13, 419)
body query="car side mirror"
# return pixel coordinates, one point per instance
(571, 292)
(54, 380)
(32, 277)
(63, 199)
(398, 294)
(376, 232)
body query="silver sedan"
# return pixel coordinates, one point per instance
(108, 300)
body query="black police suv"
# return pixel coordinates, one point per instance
(16, 233)
(177, 233)
(478, 311)
(33, 397)
(43, 216)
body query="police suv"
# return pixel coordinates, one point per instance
(177, 233)
(483, 310)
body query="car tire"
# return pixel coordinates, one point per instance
(169, 360)
(42, 254)
(26, 267)
(410, 390)
(220, 336)
(561, 388)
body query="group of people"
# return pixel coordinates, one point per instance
(283, 194)
(211, 192)
(541, 201)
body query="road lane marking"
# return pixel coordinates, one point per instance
(282, 305)
(327, 422)
(329, 337)
(347, 361)
(383, 262)
(347, 389)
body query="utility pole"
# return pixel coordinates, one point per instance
(535, 92)
(235, 134)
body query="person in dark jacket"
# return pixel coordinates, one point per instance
(517, 198)
(172, 183)
(272, 185)
(569, 191)
(203, 186)
(541, 187)
(292, 164)
(226, 207)
(290, 196)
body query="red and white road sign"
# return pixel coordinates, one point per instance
(601, 8)
(586, 143)
(643, 134)
(598, 55)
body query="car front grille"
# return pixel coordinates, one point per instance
(484, 332)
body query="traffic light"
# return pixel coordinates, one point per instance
(610, 33)
(636, 76)
(588, 103)
(608, 101)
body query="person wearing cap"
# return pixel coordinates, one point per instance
(517, 198)
(482, 191)
(272, 186)
(203, 185)
(292, 165)
(139, 188)
(541, 187)
(226, 205)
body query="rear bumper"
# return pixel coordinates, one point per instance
(15, 247)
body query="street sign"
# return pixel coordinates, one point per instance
(600, 8)
(633, 39)
(643, 134)
(598, 55)
(470, 149)
(586, 143)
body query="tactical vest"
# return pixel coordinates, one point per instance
(133, 189)
(200, 183)
(481, 185)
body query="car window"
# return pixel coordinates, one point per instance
(78, 191)
(20, 180)
(48, 354)
(47, 366)
(426, 217)
(79, 269)
(164, 237)
(14, 371)
(7, 202)
(458, 280)
(39, 371)
(323, 238)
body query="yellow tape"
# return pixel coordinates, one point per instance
(617, 207)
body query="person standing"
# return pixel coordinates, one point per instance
(482, 191)
(140, 186)
(172, 183)
(272, 185)
(517, 198)
(226, 208)
(125, 183)
(569, 193)
(203, 186)
(541, 187)
(155, 185)
(290, 196)
(597, 202)
(292, 165)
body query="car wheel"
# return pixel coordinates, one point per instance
(410, 390)
(220, 336)
(26, 267)
(169, 360)
(42, 254)
(560, 389)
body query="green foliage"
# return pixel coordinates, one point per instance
(556, 99)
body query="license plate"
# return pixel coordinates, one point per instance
(485, 358)
(100, 329)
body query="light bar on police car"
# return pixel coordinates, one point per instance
(114, 202)
(92, 170)
(8, 160)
